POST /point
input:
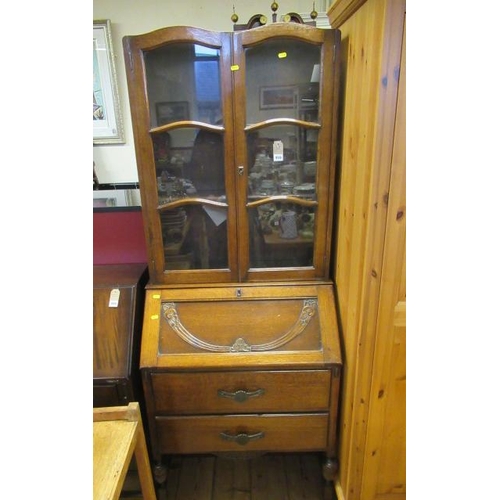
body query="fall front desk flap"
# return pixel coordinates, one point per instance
(229, 326)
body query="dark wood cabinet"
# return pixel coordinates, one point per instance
(240, 347)
(118, 306)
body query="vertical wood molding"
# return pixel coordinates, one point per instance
(385, 463)
(390, 18)
(338, 490)
(371, 54)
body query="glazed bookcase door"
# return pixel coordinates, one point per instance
(285, 79)
(180, 94)
(235, 143)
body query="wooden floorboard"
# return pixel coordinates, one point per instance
(269, 478)
(301, 478)
(196, 478)
(295, 476)
(242, 483)
(232, 480)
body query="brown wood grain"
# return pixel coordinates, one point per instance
(118, 434)
(189, 349)
(196, 478)
(372, 34)
(234, 129)
(284, 391)
(117, 332)
(385, 462)
(282, 432)
(286, 476)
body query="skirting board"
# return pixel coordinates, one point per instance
(338, 490)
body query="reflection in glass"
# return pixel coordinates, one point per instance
(281, 235)
(195, 237)
(280, 80)
(183, 83)
(294, 175)
(189, 163)
(206, 168)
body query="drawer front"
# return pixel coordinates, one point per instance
(232, 433)
(242, 323)
(241, 392)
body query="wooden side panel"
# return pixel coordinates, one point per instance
(372, 33)
(355, 177)
(112, 333)
(384, 474)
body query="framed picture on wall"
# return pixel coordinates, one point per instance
(278, 97)
(107, 116)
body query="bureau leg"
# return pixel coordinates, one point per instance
(160, 473)
(330, 468)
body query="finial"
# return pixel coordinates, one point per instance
(314, 14)
(234, 17)
(274, 8)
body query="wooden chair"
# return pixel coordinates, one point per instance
(118, 433)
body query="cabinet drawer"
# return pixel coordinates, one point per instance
(241, 392)
(230, 433)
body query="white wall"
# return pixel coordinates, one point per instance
(116, 163)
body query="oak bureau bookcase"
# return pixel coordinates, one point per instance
(235, 139)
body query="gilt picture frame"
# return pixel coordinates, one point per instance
(107, 116)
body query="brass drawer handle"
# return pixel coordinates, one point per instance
(242, 438)
(241, 395)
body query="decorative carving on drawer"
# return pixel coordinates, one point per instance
(308, 310)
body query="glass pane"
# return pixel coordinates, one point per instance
(195, 237)
(183, 83)
(294, 173)
(281, 80)
(281, 235)
(189, 163)
(206, 168)
(173, 151)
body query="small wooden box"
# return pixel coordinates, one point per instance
(117, 333)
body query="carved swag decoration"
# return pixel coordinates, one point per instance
(309, 309)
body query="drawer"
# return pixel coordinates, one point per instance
(241, 392)
(231, 433)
